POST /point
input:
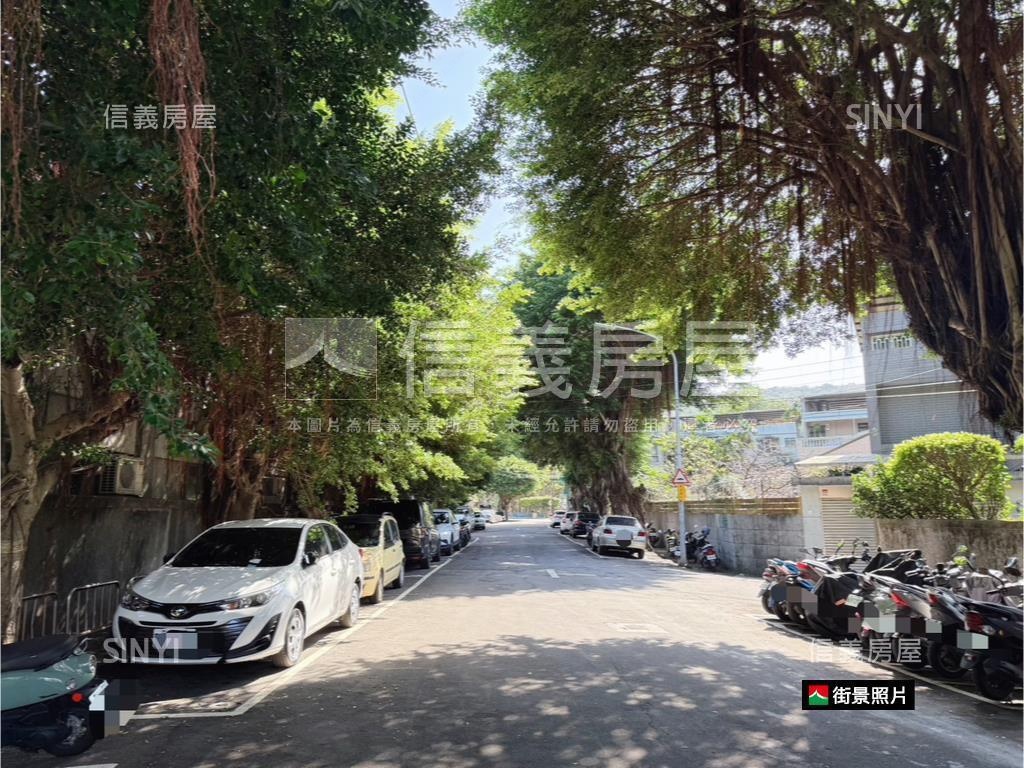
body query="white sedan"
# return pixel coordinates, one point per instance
(241, 591)
(618, 532)
(448, 529)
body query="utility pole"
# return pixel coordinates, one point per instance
(677, 419)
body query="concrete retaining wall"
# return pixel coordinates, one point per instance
(743, 542)
(992, 541)
(90, 539)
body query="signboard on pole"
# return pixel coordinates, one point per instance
(682, 489)
(681, 478)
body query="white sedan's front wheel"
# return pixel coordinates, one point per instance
(351, 616)
(294, 639)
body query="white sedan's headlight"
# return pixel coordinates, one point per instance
(248, 601)
(135, 602)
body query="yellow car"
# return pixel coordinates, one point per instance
(380, 547)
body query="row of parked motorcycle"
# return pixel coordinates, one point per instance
(699, 549)
(954, 617)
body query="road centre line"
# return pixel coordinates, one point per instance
(277, 681)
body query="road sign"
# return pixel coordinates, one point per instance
(682, 489)
(681, 478)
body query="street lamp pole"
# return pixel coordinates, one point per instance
(677, 423)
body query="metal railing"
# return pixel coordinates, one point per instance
(39, 615)
(90, 608)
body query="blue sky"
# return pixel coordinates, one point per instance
(460, 71)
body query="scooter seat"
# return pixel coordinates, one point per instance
(37, 653)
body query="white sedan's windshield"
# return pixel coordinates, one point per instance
(240, 547)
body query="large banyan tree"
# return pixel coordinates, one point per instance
(755, 157)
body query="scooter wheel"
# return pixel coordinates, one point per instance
(945, 661)
(996, 685)
(796, 614)
(765, 603)
(79, 738)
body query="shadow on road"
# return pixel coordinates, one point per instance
(521, 701)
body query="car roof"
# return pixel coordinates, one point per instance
(271, 522)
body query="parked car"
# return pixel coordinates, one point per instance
(620, 533)
(420, 539)
(465, 518)
(556, 518)
(479, 520)
(448, 529)
(380, 546)
(240, 591)
(568, 520)
(583, 523)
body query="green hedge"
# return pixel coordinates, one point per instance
(950, 475)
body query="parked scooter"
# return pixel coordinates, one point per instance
(996, 662)
(832, 613)
(47, 685)
(700, 550)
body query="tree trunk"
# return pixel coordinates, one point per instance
(26, 483)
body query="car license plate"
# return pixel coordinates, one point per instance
(170, 640)
(624, 542)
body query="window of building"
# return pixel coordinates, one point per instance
(891, 341)
(816, 430)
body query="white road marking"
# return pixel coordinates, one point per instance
(645, 628)
(278, 680)
(552, 573)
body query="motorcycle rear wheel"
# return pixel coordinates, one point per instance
(993, 685)
(80, 736)
(781, 611)
(945, 661)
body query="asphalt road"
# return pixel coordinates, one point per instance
(526, 650)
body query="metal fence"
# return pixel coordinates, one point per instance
(89, 609)
(40, 615)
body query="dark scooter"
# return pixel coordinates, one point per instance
(995, 659)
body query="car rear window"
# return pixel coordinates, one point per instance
(364, 534)
(588, 516)
(622, 521)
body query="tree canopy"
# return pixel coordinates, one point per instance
(716, 160)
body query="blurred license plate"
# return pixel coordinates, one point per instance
(624, 542)
(171, 640)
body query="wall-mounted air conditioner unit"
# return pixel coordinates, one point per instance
(123, 477)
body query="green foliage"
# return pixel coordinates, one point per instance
(733, 465)
(324, 206)
(513, 477)
(538, 502)
(953, 475)
(695, 161)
